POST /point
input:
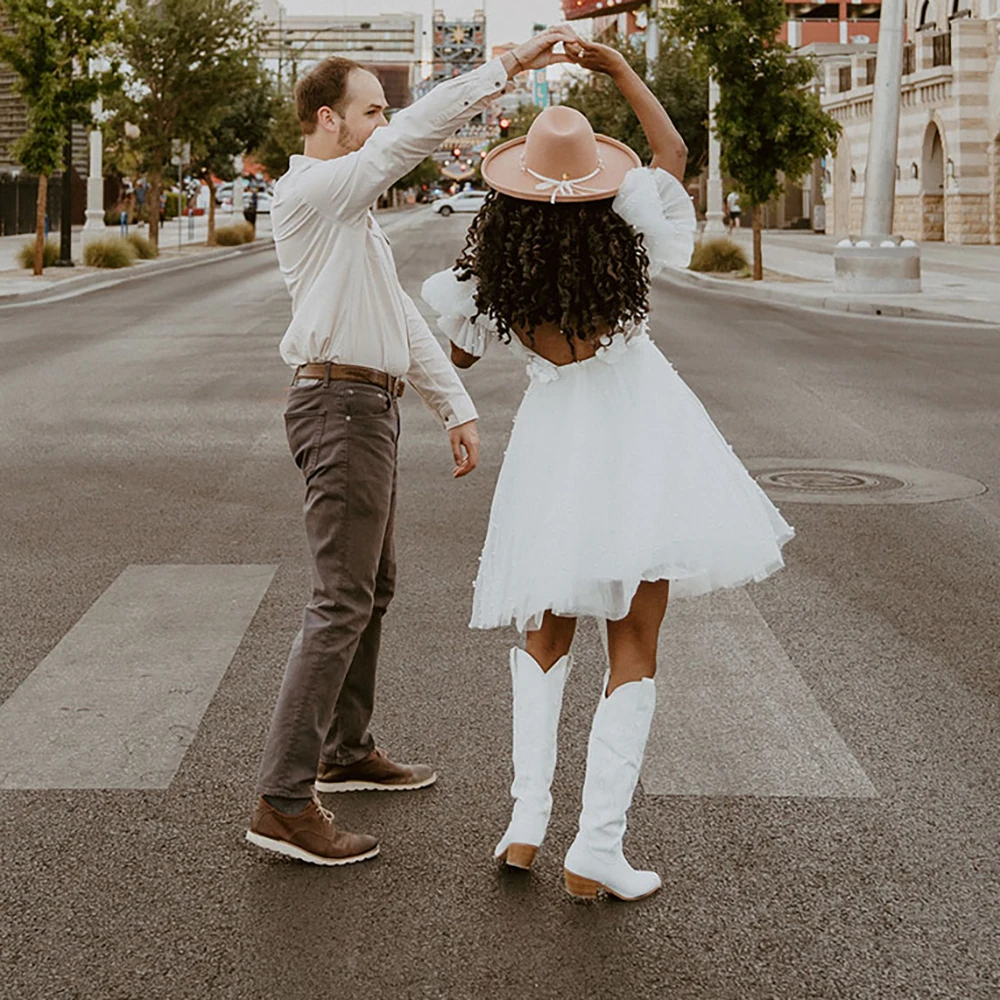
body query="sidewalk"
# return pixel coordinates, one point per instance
(180, 246)
(959, 282)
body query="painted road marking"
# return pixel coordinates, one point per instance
(734, 716)
(118, 701)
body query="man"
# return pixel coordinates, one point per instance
(354, 335)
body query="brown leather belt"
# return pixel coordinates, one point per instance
(328, 371)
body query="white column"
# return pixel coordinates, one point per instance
(880, 180)
(714, 226)
(652, 36)
(93, 228)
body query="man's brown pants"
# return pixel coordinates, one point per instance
(343, 437)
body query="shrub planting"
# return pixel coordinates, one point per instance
(112, 251)
(718, 255)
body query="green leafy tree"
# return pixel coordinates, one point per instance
(283, 137)
(185, 60)
(768, 121)
(243, 125)
(49, 46)
(675, 82)
(425, 172)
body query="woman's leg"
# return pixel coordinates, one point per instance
(538, 676)
(552, 641)
(632, 640)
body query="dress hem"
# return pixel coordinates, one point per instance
(532, 618)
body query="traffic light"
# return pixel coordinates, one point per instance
(504, 126)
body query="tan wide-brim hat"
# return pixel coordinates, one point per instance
(561, 159)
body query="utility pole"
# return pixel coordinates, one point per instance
(877, 262)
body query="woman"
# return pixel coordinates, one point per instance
(616, 488)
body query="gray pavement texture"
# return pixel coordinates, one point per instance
(145, 430)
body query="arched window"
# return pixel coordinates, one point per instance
(926, 18)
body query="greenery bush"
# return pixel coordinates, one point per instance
(26, 255)
(232, 236)
(112, 251)
(145, 248)
(172, 207)
(719, 254)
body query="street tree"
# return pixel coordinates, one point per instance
(677, 86)
(242, 126)
(283, 138)
(426, 171)
(49, 46)
(184, 60)
(769, 121)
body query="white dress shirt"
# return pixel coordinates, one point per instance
(347, 303)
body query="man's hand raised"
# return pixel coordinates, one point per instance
(465, 448)
(537, 52)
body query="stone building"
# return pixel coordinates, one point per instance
(948, 160)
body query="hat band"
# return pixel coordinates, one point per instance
(566, 187)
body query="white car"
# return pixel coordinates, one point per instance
(464, 201)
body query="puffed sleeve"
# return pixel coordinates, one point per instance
(656, 204)
(454, 302)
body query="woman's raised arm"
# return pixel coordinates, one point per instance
(669, 149)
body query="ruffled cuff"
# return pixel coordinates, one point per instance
(455, 303)
(655, 204)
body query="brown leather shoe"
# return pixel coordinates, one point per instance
(374, 773)
(310, 836)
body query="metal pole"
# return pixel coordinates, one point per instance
(66, 222)
(714, 226)
(180, 190)
(880, 180)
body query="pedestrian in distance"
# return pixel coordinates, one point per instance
(733, 210)
(354, 337)
(616, 489)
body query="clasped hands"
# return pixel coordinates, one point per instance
(539, 52)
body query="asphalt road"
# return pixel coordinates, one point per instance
(141, 426)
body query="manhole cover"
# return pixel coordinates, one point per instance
(816, 481)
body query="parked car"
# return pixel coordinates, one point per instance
(464, 201)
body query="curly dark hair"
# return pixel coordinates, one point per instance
(578, 264)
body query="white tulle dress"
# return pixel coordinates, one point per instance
(614, 472)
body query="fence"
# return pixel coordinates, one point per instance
(18, 196)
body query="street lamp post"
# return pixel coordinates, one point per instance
(93, 228)
(714, 225)
(652, 37)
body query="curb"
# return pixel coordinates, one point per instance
(827, 304)
(72, 287)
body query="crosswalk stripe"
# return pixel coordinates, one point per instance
(734, 717)
(119, 699)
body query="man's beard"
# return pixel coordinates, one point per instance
(347, 141)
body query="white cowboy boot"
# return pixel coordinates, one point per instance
(595, 861)
(537, 703)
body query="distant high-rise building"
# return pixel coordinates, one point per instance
(390, 45)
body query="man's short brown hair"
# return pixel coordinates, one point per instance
(322, 87)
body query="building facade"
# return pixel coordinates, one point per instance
(948, 160)
(390, 45)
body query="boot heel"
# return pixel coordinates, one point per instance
(580, 887)
(520, 855)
